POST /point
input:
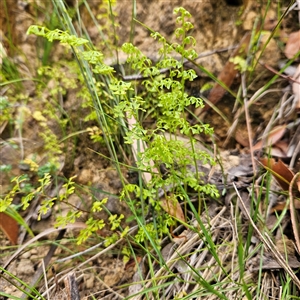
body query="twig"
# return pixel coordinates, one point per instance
(295, 222)
(45, 278)
(71, 287)
(58, 261)
(295, 155)
(138, 147)
(247, 115)
(162, 71)
(280, 74)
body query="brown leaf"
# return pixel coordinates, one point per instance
(226, 76)
(132, 264)
(10, 227)
(171, 205)
(277, 152)
(293, 45)
(273, 136)
(280, 171)
(241, 136)
(279, 207)
(281, 146)
(282, 205)
(284, 176)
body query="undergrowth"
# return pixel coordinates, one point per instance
(118, 108)
(172, 153)
(114, 111)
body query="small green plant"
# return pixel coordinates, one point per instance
(241, 64)
(172, 101)
(5, 107)
(28, 192)
(207, 259)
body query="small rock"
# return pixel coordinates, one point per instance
(34, 252)
(116, 184)
(114, 206)
(25, 267)
(34, 257)
(249, 20)
(13, 292)
(85, 176)
(111, 174)
(26, 255)
(114, 180)
(89, 281)
(113, 277)
(8, 290)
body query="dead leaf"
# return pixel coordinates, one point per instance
(282, 147)
(282, 205)
(241, 136)
(281, 172)
(132, 264)
(279, 207)
(292, 46)
(272, 137)
(284, 176)
(277, 152)
(226, 76)
(10, 227)
(171, 205)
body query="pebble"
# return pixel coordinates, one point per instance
(114, 205)
(114, 180)
(13, 292)
(25, 267)
(35, 257)
(33, 251)
(89, 281)
(26, 255)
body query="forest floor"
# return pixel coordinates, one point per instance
(243, 135)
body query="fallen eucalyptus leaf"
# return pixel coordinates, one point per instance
(10, 227)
